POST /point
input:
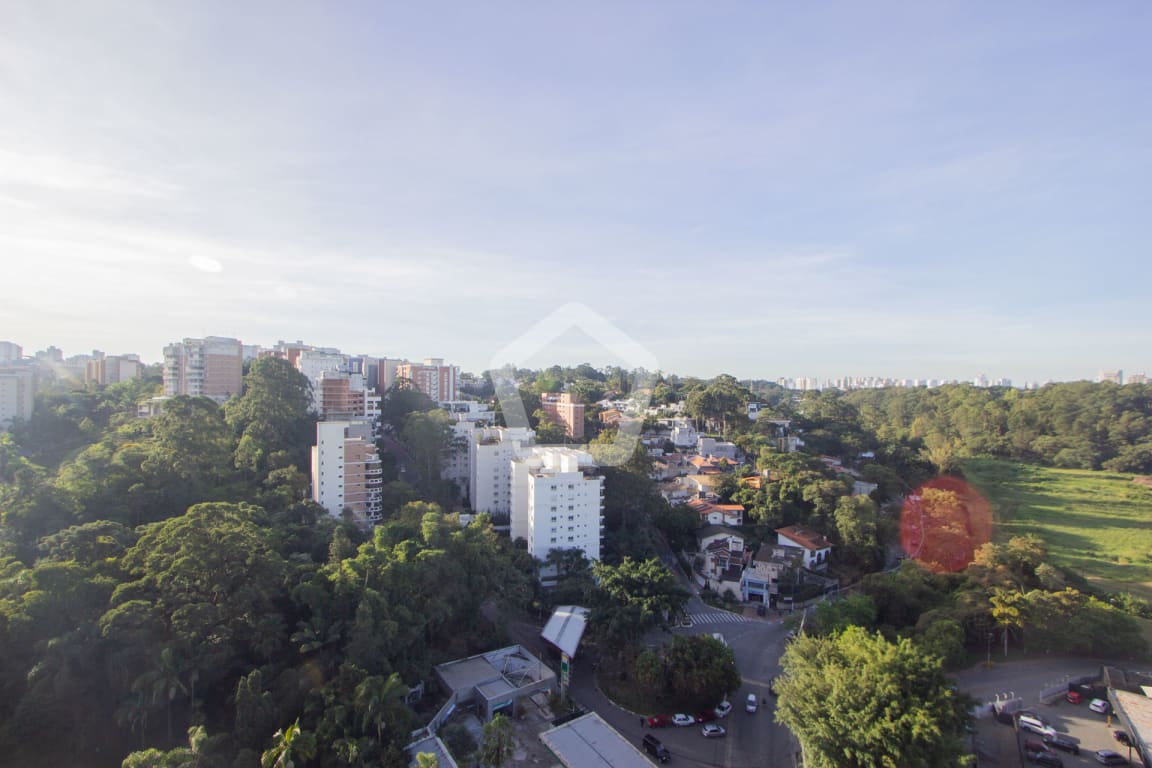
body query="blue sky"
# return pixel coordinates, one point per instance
(765, 189)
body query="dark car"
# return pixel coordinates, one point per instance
(1044, 758)
(1108, 757)
(706, 716)
(658, 721)
(1122, 737)
(761, 610)
(654, 747)
(1064, 742)
(1033, 744)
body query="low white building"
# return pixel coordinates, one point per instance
(816, 547)
(557, 501)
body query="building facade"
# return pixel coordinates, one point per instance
(209, 367)
(112, 369)
(346, 471)
(490, 454)
(566, 411)
(433, 378)
(557, 501)
(17, 394)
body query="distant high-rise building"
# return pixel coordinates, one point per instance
(9, 352)
(17, 393)
(566, 411)
(112, 369)
(1137, 378)
(433, 378)
(1116, 377)
(210, 367)
(557, 501)
(346, 471)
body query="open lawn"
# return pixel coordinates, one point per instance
(1098, 524)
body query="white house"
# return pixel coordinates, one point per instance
(816, 547)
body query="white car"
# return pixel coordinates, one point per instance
(1099, 705)
(1034, 724)
(723, 709)
(751, 704)
(683, 720)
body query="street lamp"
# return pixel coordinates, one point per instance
(989, 662)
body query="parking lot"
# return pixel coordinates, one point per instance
(999, 745)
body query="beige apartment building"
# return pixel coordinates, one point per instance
(433, 378)
(565, 410)
(210, 367)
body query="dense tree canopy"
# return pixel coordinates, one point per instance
(853, 698)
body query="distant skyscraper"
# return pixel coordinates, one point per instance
(566, 411)
(212, 367)
(17, 393)
(112, 369)
(433, 378)
(1116, 377)
(10, 352)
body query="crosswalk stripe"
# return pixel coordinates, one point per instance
(718, 617)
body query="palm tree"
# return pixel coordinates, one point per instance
(498, 742)
(165, 681)
(288, 746)
(374, 695)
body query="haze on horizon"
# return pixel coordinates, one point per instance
(939, 190)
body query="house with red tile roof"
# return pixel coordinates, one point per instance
(816, 547)
(717, 514)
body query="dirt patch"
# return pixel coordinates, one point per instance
(1143, 480)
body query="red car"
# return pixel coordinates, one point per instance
(658, 721)
(706, 716)
(1073, 697)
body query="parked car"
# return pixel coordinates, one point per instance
(654, 747)
(723, 708)
(658, 721)
(1099, 705)
(1073, 697)
(706, 716)
(751, 704)
(1122, 737)
(713, 731)
(1033, 744)
(682, 720)
(1108, 757)
(1064, 742)
(1035, 725)
(1044, 758)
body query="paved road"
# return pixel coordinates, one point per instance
(753, 740)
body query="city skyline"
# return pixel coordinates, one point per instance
(772, 191)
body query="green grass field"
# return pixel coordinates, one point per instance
(1098, 524)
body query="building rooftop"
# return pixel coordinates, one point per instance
(589, 742)
(1136, 709)
(777, 553)
(514, 666)
(431, 745)
(805, 537)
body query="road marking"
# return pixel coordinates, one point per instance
(719, 617)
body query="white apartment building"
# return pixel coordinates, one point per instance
(9, 352)
(490, 454)
(557, 501)
(17, 394)
(209, 367)
(346, 471)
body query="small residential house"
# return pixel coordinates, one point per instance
(708, 465)
(816, 547)
(772, 565)
(718, 449)
(717, 514)
(721, 558)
